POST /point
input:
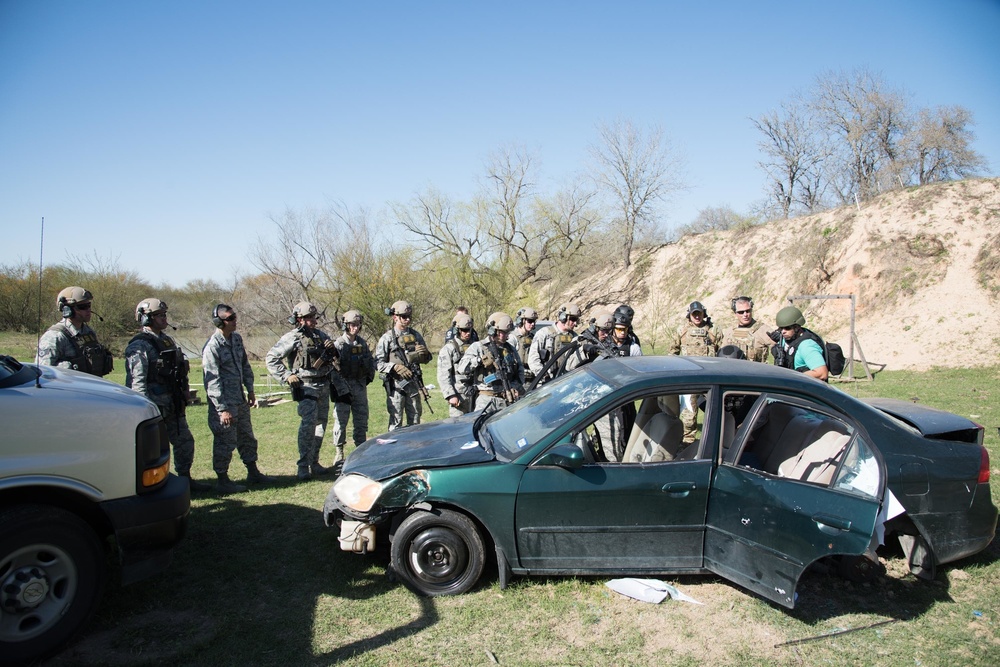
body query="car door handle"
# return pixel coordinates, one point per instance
(830, 521)
(679, 489)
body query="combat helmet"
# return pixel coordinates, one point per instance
(147, 308)
(462, 321)
(400, 308)
(790, 315)
(498, 322)
(353, 317)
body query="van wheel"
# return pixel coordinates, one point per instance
(439, 552)
(51, 578)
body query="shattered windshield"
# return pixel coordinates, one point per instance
(542, 411)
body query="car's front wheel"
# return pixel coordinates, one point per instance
(439, 552)
(51, 577)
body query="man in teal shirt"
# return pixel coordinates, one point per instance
(802, 350)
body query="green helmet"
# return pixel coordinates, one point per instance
(790, 315)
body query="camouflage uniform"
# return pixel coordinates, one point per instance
(489, 385)
(357, 366)
(156, 368)
(451, 382)
(227, 373)
(402, 395)
(752, 339)
(295, 353)
(545, 344)
(691, 340)
(65, 346)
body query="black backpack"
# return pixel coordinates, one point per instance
(835, 360)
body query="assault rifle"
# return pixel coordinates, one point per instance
(418, 374)
(501, 364)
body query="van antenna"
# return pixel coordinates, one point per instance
(38, 331)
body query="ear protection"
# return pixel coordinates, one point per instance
(491, 328)
(562, 315)
(65, 309)
(144, 319)
(390, 311)
(518, 318)
(216, 320)
(741, 298)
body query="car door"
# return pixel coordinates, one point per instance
(773, 510)
(605, 516)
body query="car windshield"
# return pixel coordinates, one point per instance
(542, 411)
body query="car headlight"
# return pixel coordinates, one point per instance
(357, 492)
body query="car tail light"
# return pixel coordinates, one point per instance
(984, 466)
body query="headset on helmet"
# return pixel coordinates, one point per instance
(696, 306)
(352, 317)
(498, 322)
(741, 298)
(623, 315)
(217, 311)
(731, 352)
(462, 321)
(399, 308)
(526, 313)
(71, 296)
(605, 321)
(302, 309)
(568, 310)
(146, 308)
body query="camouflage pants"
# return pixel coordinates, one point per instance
(180, 438)
(314, 413)
(358, 407)
(464, 407)
(237, 436)
(689, 418)
(399, 403)
(483, 401)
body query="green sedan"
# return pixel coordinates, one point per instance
(593, 474)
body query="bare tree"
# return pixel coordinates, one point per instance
(941, 145)
(867, 122)
(794, 158)
(637, 169)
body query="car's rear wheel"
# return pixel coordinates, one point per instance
(439, 552)
(51, 577)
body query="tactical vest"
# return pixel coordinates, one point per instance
(170, 369)
(524, 343)
(308, 348)
(503, 364)
(353, 361)
(697, 341)
(786, 355)
(743, 338)
(89, 355)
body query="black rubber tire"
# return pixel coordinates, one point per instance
(439, 552)
(53, 548)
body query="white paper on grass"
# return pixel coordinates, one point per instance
(648, 590)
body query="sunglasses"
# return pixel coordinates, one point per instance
(82, 306)
(743, 312)
(530, 321)
(405, 317)
(231, 318)
(570, 318)
(465, 330)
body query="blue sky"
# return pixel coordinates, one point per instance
(164, 134)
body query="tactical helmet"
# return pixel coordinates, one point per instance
(568, 310)
(401, 308)
(353, 317)
(731, 352)
(498, 322)
(462, 321)
(526, 313)
(147, 308)
(790, 315)
(623, 315)
(604, 321)
(697, 307)
(304, 309)
(73, 295)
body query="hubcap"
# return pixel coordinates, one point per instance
(37, 585)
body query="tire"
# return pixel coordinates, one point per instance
(439, 552)
(52, 575)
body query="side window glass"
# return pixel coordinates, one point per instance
(860, 470)
(658, 431)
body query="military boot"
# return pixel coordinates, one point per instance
(303, 474)
(195, 485)
(255, 476)
(318, 469)
(338, 461)
(226, 485)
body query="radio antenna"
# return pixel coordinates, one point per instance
(38, 329)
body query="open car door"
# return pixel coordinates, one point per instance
(797, 484)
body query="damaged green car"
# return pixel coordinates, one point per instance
(594, 474)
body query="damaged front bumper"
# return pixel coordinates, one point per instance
(357, 505)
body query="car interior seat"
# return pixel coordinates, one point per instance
(658, 437)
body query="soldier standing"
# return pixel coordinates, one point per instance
(71, 343)
(523, 334)
(453, 329)
(695, 338)
(156, 368)
(550, 340)
(398, 356)
(455, 387)
(227, 373)
(494, 365)
(357, 366)
(305, 359)
(748, 335)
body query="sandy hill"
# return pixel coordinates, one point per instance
(923, 265)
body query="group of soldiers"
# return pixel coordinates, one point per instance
(473, 374)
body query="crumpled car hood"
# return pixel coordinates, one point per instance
(439, 444)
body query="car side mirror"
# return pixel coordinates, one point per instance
(565, 456)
